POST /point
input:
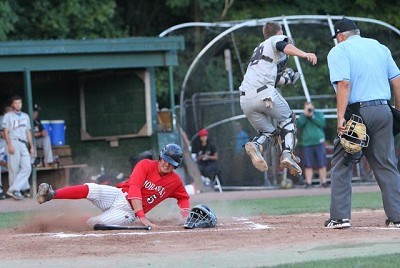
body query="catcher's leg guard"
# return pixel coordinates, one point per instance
(288, 137)
(254, 150)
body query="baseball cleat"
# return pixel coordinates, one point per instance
(288, 162)
(16, 195)
(254, 152)
(392, 224)
(337, 224)
(45, 193)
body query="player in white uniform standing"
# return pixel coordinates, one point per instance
(261, 102)
(17, 133)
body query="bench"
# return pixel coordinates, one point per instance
(58, 175)
(62, 154)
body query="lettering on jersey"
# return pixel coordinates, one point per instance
(151, 199)
(19, 123)
(152, 187)
(257, 55)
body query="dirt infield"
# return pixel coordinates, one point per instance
(57, 237)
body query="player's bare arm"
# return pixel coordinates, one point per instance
(138, 207)
(31, 147)
(342, 98)
(294, 51)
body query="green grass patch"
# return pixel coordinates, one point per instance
(381, 261)
(13, 219)
(290, 205)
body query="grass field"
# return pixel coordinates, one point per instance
(382, 261)
(292, 205)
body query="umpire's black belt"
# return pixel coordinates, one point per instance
(370, 103)
(242, 93)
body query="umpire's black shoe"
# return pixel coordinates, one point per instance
(45, 193)
(337, 224)
(392, 224)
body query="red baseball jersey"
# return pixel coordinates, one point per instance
(146, 184)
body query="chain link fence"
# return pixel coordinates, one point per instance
(209, 101)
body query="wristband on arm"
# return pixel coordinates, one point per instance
(185, 212)
(140, 214)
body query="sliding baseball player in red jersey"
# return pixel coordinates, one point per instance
(151, 182)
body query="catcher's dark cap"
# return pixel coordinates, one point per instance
(344, 25)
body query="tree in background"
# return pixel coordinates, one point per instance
(7, 19)
(61, 19)
(88, 19)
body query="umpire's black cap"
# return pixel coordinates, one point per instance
(344, 25)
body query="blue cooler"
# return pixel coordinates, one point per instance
(47, 126)
(57, 132)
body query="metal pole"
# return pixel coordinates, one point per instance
(172, 97)
(228, 68)
(297, 62)
(29, 100)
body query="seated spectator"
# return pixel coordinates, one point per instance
(42, 138)
(205, 154)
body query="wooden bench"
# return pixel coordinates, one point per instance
(58, 175)
(62, 154)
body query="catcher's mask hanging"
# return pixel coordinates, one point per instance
(200, 216)
(355, 137)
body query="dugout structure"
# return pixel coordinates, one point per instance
(104, 90)
(214, 70)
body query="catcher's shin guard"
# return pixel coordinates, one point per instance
(287, 135)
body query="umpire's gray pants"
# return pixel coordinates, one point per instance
(258, 114)
(380, 154)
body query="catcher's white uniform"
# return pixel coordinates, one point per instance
(262, 103)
